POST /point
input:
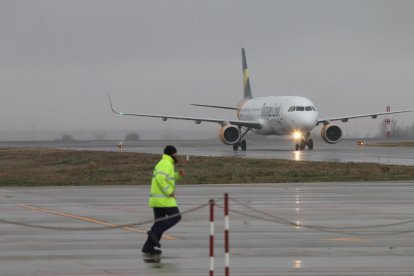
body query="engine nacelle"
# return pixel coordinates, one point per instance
(229, 134)
(331, 134)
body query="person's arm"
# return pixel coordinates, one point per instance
(179, 174)
(163, 184)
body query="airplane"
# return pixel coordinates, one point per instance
(272, 115)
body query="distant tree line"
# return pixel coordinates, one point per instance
(132, 136)
(66, 138)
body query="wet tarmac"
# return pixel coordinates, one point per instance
(346, 150)
(362, 228)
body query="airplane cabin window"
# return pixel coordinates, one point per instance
(300, 108)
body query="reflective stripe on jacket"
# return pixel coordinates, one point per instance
(163, 183)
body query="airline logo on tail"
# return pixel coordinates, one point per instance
(246, 81)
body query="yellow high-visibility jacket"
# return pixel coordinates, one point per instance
(163, 183)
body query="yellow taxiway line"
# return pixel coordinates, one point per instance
(92, 220)
(349, 239)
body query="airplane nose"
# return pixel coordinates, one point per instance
(311, 124)
(305, 123)
(308, 124)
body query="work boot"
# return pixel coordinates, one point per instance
(151, 251)
(154, 238)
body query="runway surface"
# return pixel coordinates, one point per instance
(345, 151)
(361, 228)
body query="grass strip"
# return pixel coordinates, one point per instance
(404, 144)
(56, 167)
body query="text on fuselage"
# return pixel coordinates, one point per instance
(270, 110)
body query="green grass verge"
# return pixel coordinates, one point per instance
(404, 144)
(49, 167)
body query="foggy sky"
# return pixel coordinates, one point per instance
(58, 60)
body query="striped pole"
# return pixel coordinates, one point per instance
(388, 123)
(226, 235)
(211, 237)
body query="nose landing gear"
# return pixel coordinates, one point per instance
(303, 142)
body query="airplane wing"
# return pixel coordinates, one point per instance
(197, 120)
(372, 115)
(216, 106)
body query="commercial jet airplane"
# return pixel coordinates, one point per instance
(273, 115)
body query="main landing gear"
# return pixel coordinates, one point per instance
(303, 142)
(242, 144)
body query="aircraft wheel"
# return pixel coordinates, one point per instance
(297, 147)
(236, 147)
(243, 145)
(310, 144)
(302, 145)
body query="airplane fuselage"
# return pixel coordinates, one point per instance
(279, 115)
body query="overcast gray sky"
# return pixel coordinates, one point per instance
(59, 59)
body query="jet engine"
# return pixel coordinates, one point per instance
(229, 134)
(331, 134)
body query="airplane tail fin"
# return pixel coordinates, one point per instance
(246, 81)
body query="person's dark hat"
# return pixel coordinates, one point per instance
(170, 150)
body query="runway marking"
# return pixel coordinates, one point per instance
(348, 239)
(92, 220)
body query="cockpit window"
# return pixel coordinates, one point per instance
(301, 108)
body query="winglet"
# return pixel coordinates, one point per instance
(246, 81)
(113, 110)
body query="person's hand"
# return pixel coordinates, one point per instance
(181, 172)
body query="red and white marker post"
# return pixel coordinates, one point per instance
(388, 124)
(226, 235)
(211, 237)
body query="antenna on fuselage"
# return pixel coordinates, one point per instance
(246, 81)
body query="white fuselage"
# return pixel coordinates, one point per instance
(279, 115)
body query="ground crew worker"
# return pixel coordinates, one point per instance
(162, 199)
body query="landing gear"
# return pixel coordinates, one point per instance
(302, 144)
(305, 141)
(242, 145)
(310, 144)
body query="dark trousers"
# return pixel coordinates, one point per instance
(158, 228)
